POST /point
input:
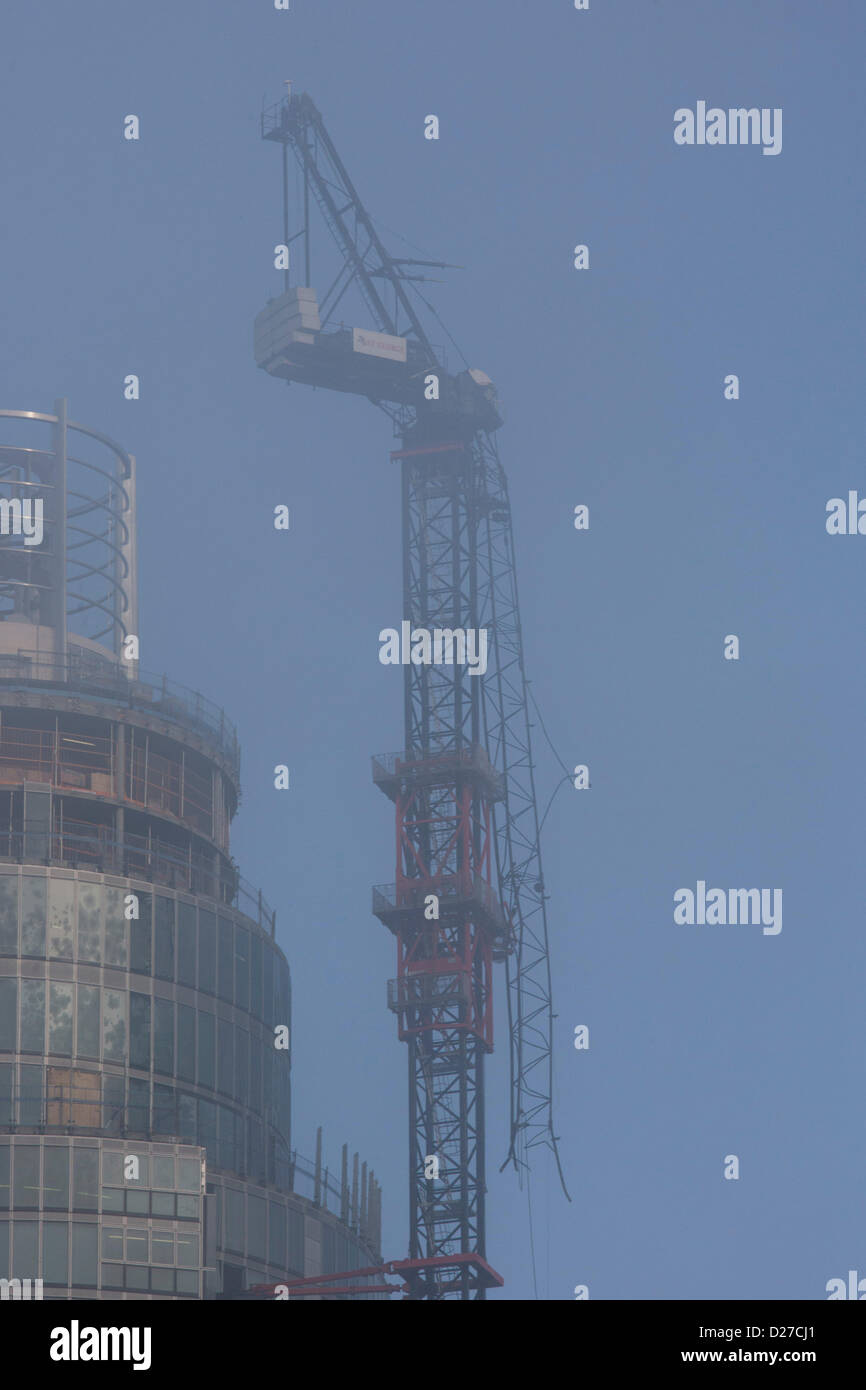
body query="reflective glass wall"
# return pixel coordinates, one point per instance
(157, 1024)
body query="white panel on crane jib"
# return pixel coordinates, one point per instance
(379, 344)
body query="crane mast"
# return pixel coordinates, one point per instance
(469, 887)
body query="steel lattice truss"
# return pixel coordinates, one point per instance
(364, 260)
(467, 833)
(518, 844)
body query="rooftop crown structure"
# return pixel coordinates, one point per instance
(145, 1007)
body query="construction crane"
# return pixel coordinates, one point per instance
(469, 887)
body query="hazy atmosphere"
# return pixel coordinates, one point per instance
(710, 767)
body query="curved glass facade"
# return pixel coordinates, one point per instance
(145, 1008)
(157, 1024)
(73, 1215)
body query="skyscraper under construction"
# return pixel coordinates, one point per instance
(145, 1006)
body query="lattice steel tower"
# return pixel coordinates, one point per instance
(463, 784)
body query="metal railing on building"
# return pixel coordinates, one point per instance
(137, 856)
(87, 673)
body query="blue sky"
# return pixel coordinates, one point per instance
(707, 518)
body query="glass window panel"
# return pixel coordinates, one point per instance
(207, 1129)
(242, 966)
(61, 900)
(137, 1203)
(31, 1108)
(163, 1171)
(112, 1242)
(162, 1204)
(187, 1281)
(55, 1179)
(226, 1151)
(55, 1252)
(4, 1249)
(189, 1174)
(26, 1177)
(136, 1276)
(296, 1241)
(225, 969)
(85, 1180)
(242, 1064)
(187, 1248)
(240, 1137)
(267, 1080)
(88, 1021)
(113, 1109)
(33, 911)
(206, 950)
(164, 937)
(186, 1117)
(257, 1067)
(116, 927)
(136, 1245)
(286, 997)
(37, 821)
(257, 1216)
(206, 1049)
(90, 922)
(163, 1036)
(139, 1105)
(33, 1016)
(277, 1235)
(216, 1206)
(273, 1011)
(60, 1019)
(140, 934)
(187, 1208)
(112, 1276)
(164, 1117)
(139, 1031)
(112, 1199)
(8, 1014)
(8, 915)
(113, 1025)
(268, 990)
(162, 1247)
(226, 1058)
(256, 975)
(282, 1081)
(5, 1165)
(112, 1168)
(186, 1042)
(84, 1253)
(186, 934)
(162, 1280)
(234, 1220)
(25, 1236)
